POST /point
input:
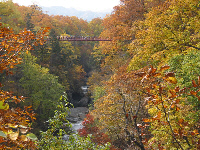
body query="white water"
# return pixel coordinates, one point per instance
(76, 126)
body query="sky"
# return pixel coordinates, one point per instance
(93, 5)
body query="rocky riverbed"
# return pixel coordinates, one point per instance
(76, 116)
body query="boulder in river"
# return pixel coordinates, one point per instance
(77, 114)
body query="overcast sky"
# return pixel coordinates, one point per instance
(93, 5)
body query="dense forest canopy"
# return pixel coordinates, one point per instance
(144, 84)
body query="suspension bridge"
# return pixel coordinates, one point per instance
(80, 38)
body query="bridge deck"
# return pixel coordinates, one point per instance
(62, 38)
(84, 40)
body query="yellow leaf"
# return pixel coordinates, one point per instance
(3, 105)
(23, 137)
(172, 80)
(13, 136)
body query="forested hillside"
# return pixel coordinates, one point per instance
(144, 84)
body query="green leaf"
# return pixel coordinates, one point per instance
(32, 136)
(2, 134)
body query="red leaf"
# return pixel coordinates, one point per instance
(126, 115)
(177, 89)
(134, 117)
(141, 74)
(177, 101)
(183, 90)
(169, 74)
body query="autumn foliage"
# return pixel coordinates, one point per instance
(145, 82)
(167, 105)
(146, 103)
(15, 122)
(89, 127)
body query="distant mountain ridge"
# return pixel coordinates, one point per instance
(86, 15)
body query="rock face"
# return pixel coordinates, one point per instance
(84, 101)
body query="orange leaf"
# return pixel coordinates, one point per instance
(180, 121)
(173, 94)
(157, 74)
(177, 101)
(158, 115)
(152, 70)
(164, 67)
(199, 80)
(177, 108)
(194, 83)
(146, 120)
(48, 28)
(165, 106)
(195, 132)
(173, 105)
(193, 93)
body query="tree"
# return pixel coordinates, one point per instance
(95, 27)
(49, 141)
(169, 29)
(40, 87)
(168, 108)
(10, 16)
(15, 122)
(89, 127)
(187, 68)
(121, 109)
